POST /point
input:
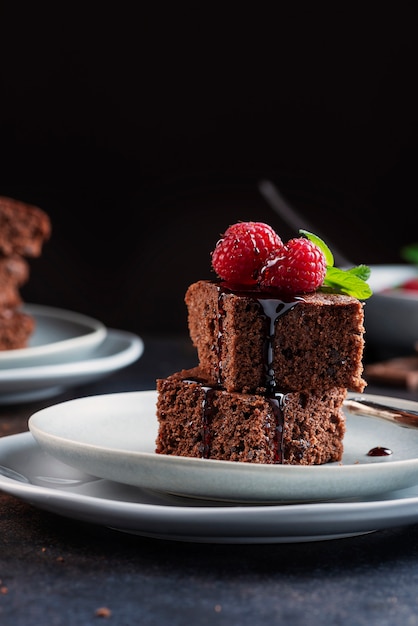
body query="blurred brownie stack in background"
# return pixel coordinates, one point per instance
(23, 231)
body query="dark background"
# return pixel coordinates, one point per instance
(143, 133)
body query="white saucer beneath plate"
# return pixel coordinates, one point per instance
(29, 473)
(59, 336)
(26, 384)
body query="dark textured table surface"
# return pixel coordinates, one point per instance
(55, 570)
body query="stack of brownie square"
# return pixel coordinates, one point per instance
(24, 229)
(271, 380)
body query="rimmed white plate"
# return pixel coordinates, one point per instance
(389, 276)
(26, 384)
(113, 436)
(59, 336)
(29, 473)
(391, 315)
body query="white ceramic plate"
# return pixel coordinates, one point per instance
(113, 436)
(29, 473)
(59, 336)
(388, 276)
(27, 384)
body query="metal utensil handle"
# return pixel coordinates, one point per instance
(403, 417)
(291, 217)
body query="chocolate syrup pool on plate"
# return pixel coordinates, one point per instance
(379, 451)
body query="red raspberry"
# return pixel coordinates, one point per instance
(243, 250)
(299, 268)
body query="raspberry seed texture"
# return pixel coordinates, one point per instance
(300, 268)
(243, 250)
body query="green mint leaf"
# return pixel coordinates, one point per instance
(329, 258)
(348, 282)
(351, 282)
(362, 271)
(410, 253)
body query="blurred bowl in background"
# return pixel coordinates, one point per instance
(391, 313)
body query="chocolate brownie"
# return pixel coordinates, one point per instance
(16, 328)
(13, 270)
(24, 228)
(10, 297)
(253, 343)
(197, 418)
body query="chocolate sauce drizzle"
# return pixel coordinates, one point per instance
(207, 412)
(276, 404)
(270, 310)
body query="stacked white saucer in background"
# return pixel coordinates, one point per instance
(67, 349)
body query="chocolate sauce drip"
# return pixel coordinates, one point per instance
(270, 309)
(379, 451)
(276, 404)
(207, 413)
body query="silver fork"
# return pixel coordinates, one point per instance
(292, 218)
